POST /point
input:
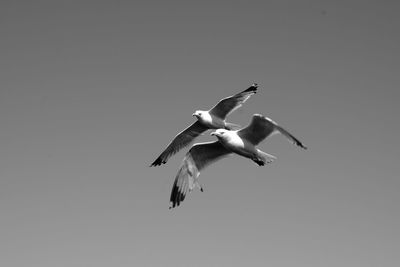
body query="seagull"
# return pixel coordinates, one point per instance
(242, 142)
(210, 119)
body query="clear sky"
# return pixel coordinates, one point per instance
(92, 91)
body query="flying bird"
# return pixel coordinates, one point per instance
(209, 119)
(242, 142)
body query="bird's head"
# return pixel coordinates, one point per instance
(198, 113)
(220, 133)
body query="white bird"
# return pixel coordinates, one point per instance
(210, 119)
(242, 142)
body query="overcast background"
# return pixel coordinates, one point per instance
(92, 91)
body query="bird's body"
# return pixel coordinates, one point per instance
(215, 118)
(242, 142)
(235, 144)
(210, 121)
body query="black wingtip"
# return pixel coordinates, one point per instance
(157, 162)
(301, 145)
(176, 197)
(252, 88)
(173, 205)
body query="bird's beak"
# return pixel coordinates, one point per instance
(194, 114)
(213, 133)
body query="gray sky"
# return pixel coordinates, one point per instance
(92, 91)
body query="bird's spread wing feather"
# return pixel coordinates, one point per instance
(198, 157)
(259, 128)
(181, 140)
(290, 137)
(231, 103)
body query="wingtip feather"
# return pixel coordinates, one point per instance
(303, 146)
(157, 162)
(176, 196)
(253, 88)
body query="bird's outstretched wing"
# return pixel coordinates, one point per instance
(229, 104)
(290, 137)
(198, 157)
(261, 127)
(181, 140)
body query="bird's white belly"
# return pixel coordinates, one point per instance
(236, 142)
(239, 146)
(211, 122)
(207, 119)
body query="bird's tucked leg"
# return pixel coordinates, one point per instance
(259, 161)
(261, 158)
(197, 184)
